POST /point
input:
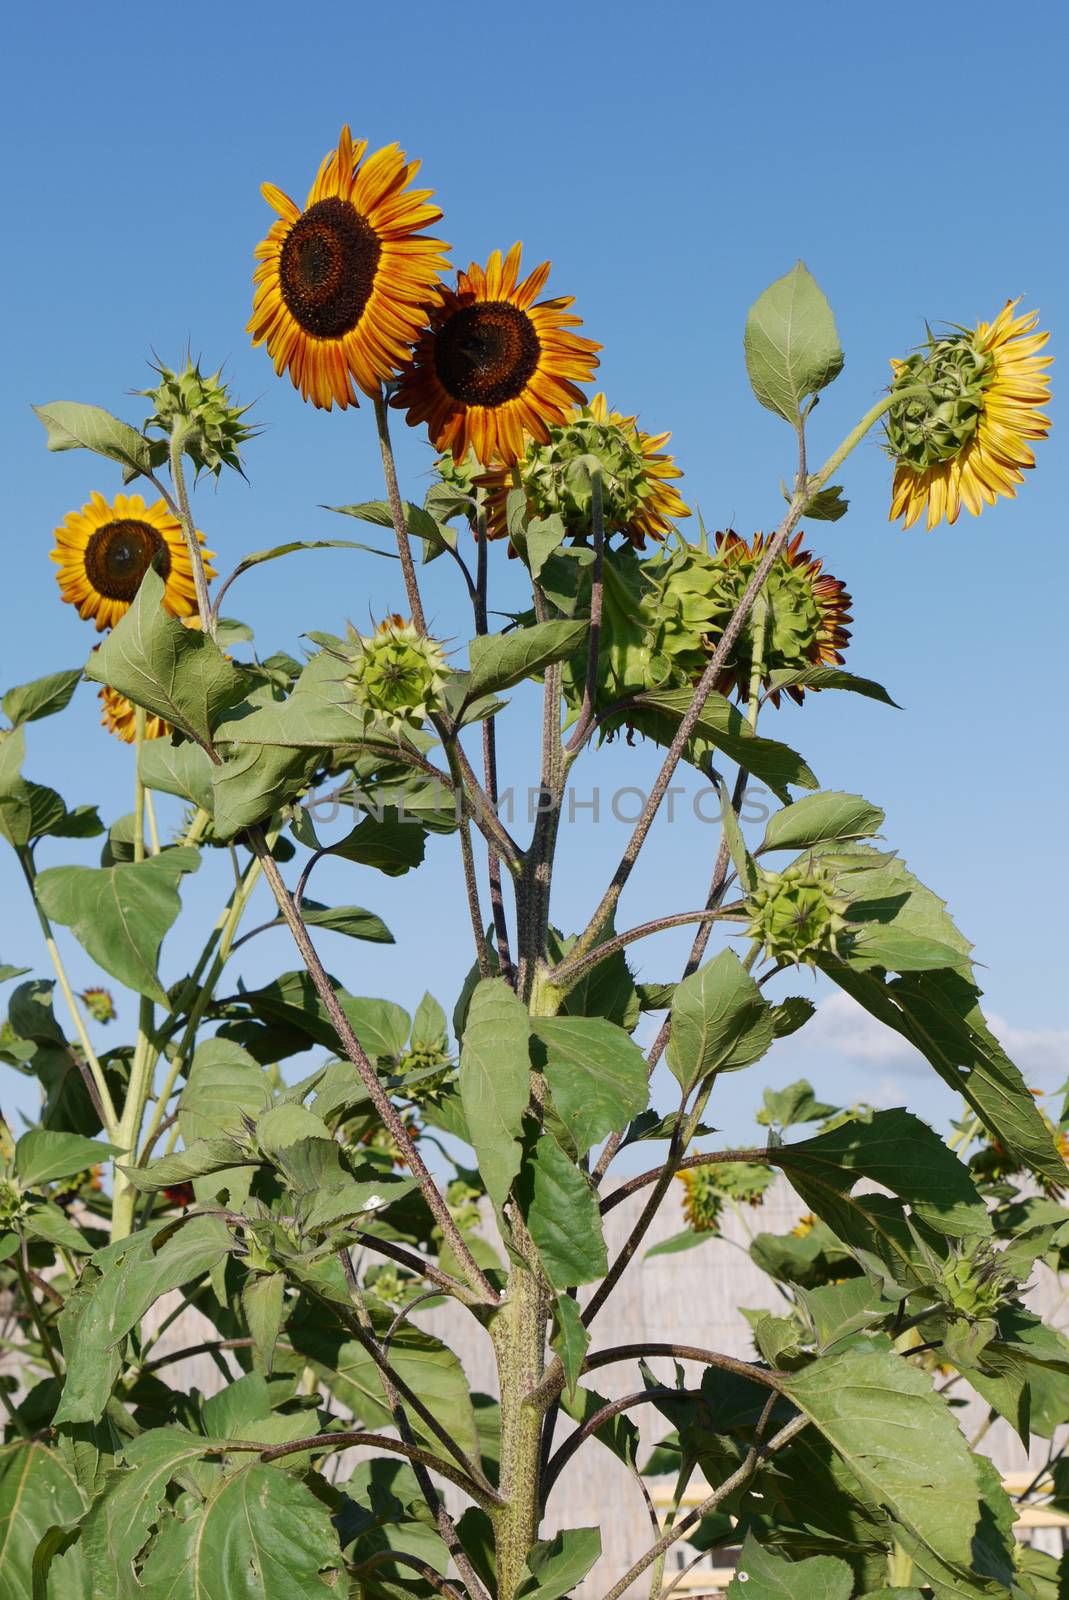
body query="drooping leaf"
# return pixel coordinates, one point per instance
(762, 1574)
(262, 1299)
(500, 660)
(176, 673)
(184, 770)
(720, 1021)
(202, 1157)
(353, 921)
(830, 678)
(120, 914)
(41, 698)
(792, 347)
(495, 1082)
(820, 818)
(42, 1156)
(570, 1341)
(562, 1215)
(597, 1075)
(392, 844)
(72, 425)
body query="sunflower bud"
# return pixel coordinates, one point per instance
(10, 1201)
(396, 674)
(976, 1281)
(925, 429)
(200, 411)
(99, 1004)
(796, 914)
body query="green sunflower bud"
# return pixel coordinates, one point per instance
(396, 674)
(925, 429)
(976, 1281)
(99, 1004)
(10, 1201)
(199, 410)
(796, 914)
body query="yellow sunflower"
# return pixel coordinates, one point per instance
(496, 365)
(120, 717)
(103, 551)
(638, 496)
(342, 286)
(966, 442)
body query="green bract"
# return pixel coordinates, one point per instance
(396, 674)
(558, 477)
(924, 429)
(199, 412)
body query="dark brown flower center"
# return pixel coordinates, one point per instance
(485, 354)
(120, 553)
(327, 268)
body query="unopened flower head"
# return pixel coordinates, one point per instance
(201, 410)
(99, 1004)
(396, 674)
(796, 914)
(976, 1279)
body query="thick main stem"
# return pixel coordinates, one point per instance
(518, 1332)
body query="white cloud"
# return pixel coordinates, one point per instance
(1041, 1053)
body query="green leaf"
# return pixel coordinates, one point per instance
(796, 1103)
(41, 698)
(98, 1317)
(353, 921)
(202, 1157)
(720, 1021)
(37, 1492)
(570, 1341)
(892, 913)
(830, 678)
(724, 727)
(418, 522)
(390, 844)
(820, 819)
(225, 1085)
(495, 1082)
(900, 1440)
(500, 660)
(838, 1310)
(42, 1156)
(792, 347)
(827, 505)
(556, 1565)
(260, 1533)
(121, 1520)
(120, 915)
(561, 1212)
(184, 770)
(761, 1574)
(898, 1151)
(596, 1073)
(262, 1299)
(294, 545)
(70, 425)
(176, 673)
(676, 1243)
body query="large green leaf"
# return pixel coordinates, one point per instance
(830, 678)
(122, 1518)
(42, 1156)
(556, 1565)
(900, 1441)
(184, 770)
(500, 660)
(98, 1317)
(768, 1576)
(201, 1158)
(562, 1215)
(37, 1492)
(898, 1151)
(177, 673)
(720, 1021)
(495, 1074)
(41, 698)
(392, 844)
(896, 921)
(120, 914)
(225, 1085)
(792, 347)
(724, 727)
(819, 818)
(597, 1075)
(261, 1533)
(72, 425)
(939, 1014)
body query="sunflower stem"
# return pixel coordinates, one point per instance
(176, 446)
(397, 512)
(493, 858)
(586, 715)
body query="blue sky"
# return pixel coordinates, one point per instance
(670, 164)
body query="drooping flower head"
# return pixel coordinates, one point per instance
(396, 674)
(342, 286)
(103, 551)
(638, 497)
(965, 440)
(496, 366)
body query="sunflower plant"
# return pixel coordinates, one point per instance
(309, 1172)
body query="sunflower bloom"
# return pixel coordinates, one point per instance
(103, 551)
(342, 286)
(638, 495)
(968, 443)
(120, 717)
(497, 366)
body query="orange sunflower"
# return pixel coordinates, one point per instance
(639, 498)
(120, 717)
(806, 615)
(103, 551)
(342, 286)
(966, 441)
(496, 366)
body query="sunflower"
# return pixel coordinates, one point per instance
(806, 616)
(342, 286)
(966, 443)
(638, 497)
(496, 365)
(120, 717)
(103, 551)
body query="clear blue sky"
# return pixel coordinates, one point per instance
(671, 163)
